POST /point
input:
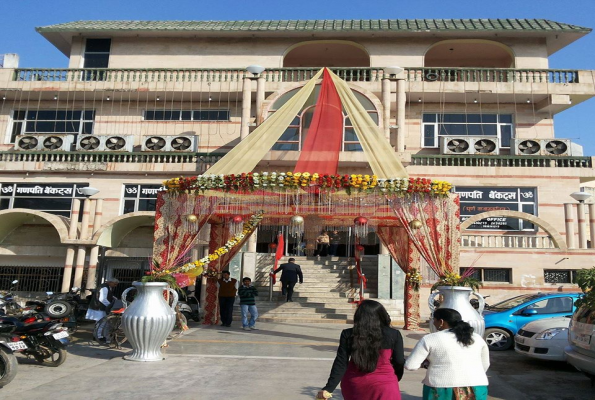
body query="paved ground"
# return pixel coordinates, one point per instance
(279, 361)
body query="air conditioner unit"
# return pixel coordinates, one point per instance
(545, 147)
(122, 143)
(47, 142)
(478, 145)
(178, 143)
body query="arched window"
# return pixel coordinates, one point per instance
(295, 134)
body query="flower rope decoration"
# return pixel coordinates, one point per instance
(195, 268)
(276, 182)
(413, 279)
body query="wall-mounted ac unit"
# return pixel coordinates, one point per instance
(478, 145)
(46, 142)
(545, 147)
(178, 143)
(122, 143)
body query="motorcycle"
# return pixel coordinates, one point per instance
(46, 341)
(8, 304)
(189, 306)
(9, 344)
(67, 308)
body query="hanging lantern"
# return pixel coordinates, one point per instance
(416, 224)
(192, 218)
(361, 227)
(236, 224)
(273, 245)
(359, 248)
(296, 226)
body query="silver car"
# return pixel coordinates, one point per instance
(544, 339)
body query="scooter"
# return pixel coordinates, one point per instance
(189, 306)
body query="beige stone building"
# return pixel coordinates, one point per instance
(469, 101)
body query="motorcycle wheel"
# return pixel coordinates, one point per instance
(58, 309)
(51, 358)
(8, 367)
(188, 316)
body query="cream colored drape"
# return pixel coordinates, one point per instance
(249, 152)
(381, 156)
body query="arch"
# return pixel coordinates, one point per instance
(462, 53)
(15, 217)
(112, 233)
(326, 53)
(558, 240)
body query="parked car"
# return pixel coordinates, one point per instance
(544, 339)
(581, 350)
(504, 319)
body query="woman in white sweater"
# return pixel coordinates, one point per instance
(456, 358)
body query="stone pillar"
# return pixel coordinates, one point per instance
(383, 249)
(384, 276)
(401, 102)
(74, 219)
(260, 91)
(386, 107)
(592, 224)
(246, 107)
(569, 224)
(82, 250)
(203, 281)
(94, 255)
(252, 241)
(582, 225)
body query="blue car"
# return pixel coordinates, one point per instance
(503, 320)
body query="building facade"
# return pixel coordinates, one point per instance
(468, 101)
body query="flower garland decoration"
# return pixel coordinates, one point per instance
(196, 268)
(281, 181)
(413, 279)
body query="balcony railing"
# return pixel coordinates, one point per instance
(109, 157)
(507, 241)
(435, 160)
(294, 75)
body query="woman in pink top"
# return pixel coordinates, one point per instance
(370, 358)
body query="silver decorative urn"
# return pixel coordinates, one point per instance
(149, 320)
(457, 298)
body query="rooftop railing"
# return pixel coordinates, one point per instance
(369, 74)
(508, 241)
(435, 160)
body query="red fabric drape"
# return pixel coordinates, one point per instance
(397, 242)
(320, 152)
(278, 254)
(219, 236)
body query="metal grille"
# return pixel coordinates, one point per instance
(558, 276)
(525, 333)
(125, 269)
(476, 274)
(32, 278)
(496, 275)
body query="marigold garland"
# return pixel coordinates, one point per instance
(273, 181)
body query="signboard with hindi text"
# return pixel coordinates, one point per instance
(477, 200)
(140, 197)
(53, 198)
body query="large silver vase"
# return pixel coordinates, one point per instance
(148, 321)
(457, 298)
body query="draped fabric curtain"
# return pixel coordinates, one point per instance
(174, 234)
(322, 146)
(219, 236)
(401, 249)
(439, 236)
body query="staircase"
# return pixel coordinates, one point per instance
(326, 296)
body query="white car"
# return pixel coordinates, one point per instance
(544, 339)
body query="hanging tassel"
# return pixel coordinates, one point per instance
(361, 227)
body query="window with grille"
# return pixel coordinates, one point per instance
(491, 274)
(96, 58)
(436, 125)
(51, 121)
(559, 276)
(140, 198)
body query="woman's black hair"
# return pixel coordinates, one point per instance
(462, 330)
(366, 341)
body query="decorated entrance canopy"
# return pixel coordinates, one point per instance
(413, 216)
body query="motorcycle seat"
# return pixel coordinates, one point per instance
(21, 327)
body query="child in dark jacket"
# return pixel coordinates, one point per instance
(247, 292)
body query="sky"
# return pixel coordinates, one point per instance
(18, 20)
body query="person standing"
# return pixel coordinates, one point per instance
(291, 273)
(247, 292)
(323, 244)
(335, 239)
(228, 288)
(102, 300)
(370, 357)
(456, 358)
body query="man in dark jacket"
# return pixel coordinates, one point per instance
(289, 277)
